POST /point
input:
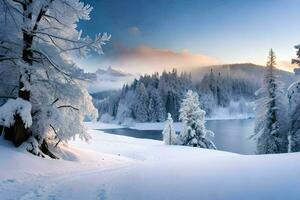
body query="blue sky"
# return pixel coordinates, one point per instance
(227, 31)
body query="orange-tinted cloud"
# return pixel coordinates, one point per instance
(144, 59)
(134, 30)
(286, 65)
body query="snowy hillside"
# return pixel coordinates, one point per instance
(115, 167)
(248, 71)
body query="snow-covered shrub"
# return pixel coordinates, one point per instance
(169, 134)
(193, 118)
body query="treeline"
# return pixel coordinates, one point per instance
(151, 97)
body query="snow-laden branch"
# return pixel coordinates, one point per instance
(68, 106)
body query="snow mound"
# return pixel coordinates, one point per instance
(13, 107)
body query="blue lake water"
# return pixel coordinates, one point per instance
(230, 135)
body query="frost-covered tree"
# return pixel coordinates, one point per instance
(294, 105)
(38, 40)
(169, 134)
(125, 107)
(193, 118)
(271, 115)
(156, 109)
(141, 108)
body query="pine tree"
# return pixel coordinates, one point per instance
(212, 83)
(141, 109)
(169, 134)
(271, 125)
(151, 110)
(156, 109)
(294, 105)
(193, 119)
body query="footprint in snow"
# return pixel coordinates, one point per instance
(102, 194)
(9, 181)
(37, 193)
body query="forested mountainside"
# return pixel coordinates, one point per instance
(151, 97)
(245, 70)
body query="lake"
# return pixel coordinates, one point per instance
(230, 135)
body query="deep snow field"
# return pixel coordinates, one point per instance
(118, 167)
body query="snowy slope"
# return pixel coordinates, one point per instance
(130, 168)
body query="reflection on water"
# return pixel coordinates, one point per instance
(230, 135)
(233, 135)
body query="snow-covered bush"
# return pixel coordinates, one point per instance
(193, 118)
(169, 134)
(38, 44)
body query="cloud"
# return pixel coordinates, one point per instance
(110, 83)
(286, 65)
(134, 30)
(144, 59)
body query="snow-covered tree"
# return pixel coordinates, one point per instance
(125, 107)
(156, 110)
(38, 40)
(169, 134)
(294, 106)
(193, 118)
(271, 114)
(141, 108)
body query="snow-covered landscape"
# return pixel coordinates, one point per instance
(118, 167)
(178, 100)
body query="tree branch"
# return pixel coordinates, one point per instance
(52, 63)
(68, 106)
(59, 140)
(54, 101)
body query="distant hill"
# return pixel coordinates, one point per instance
(254, 74)
(249, 71)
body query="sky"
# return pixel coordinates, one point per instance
(154, 35)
